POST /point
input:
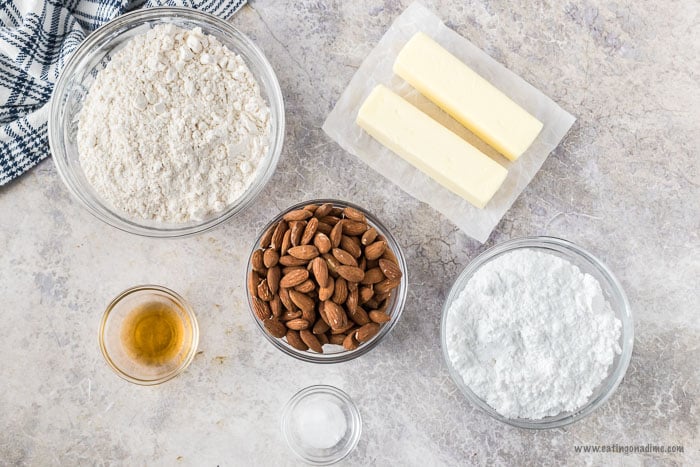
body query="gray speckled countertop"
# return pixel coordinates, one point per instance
(624, 183)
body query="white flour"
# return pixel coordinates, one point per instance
(173, 129)
(532, 335)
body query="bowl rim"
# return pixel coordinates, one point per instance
(177, 298)
(268, 82)
(626, 341)
(397, 308)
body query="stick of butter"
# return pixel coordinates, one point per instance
(466, 96)
(430, 147)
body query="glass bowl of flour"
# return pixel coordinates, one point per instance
(166, 122)
(537, 332)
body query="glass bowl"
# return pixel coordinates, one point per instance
(312, 410)
(612, 290)
(333, 353)
(132, 312)
(79, 74)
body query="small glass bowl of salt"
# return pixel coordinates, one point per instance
(321, 424)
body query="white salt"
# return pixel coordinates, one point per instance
(321, 424)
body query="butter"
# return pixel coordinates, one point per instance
(466, 96)
(430, 147)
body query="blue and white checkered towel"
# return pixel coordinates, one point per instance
(36, 38)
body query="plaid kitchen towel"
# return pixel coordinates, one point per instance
(36, 39)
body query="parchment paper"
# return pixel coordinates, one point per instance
(377, 68)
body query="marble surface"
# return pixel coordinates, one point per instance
(624, 184)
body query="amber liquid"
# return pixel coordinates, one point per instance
(153, 333)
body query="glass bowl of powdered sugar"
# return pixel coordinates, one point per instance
(166, 122)
(537, 332)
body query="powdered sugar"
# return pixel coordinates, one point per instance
(532, 335)
(174, 127)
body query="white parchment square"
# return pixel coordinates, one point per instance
(377, 69)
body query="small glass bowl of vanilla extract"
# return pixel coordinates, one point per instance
(148, 334)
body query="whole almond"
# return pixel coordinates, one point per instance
(294, 339)
(305, 287)
(278, 235)
(367, 332)
(390, 269)
(267, 236)
(354, 227)
(322, 242)
(311, 340)
(286, 243)
(323, 210)
(309, 315)
(253, 280)
(264, 291)
(305, 252)
(309, 231)
(297, 215)
(358, 315)
(351, 245)
(294, 278)
(336, 316)
(341, 291)
(372, 276)
(270, 258)
(350, 273)
(320, 327)
(350, 343)
(387, 285)
(287, 269)
(325, 293)
(311, 207)
(354, 214)
(297, 229)
(345, 329)
(337, 339)
(382, 296)
(257, 261)
(303, 301)
(375, 250)
(261, 308)
(366, 293)
(331, 220)
(344, 257)
(322, 338)
(332, 264)
(290, 315)
(275, 327)
(353, 300)
(324, 228)
(286, 300)
(369, 236)
(274, 275)
(297, 324)
(320, 269)
(276, 306)
(336, 234)
(322, 313)
(289, 260)
(379, 316)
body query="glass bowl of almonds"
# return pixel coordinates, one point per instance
(326, 281)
